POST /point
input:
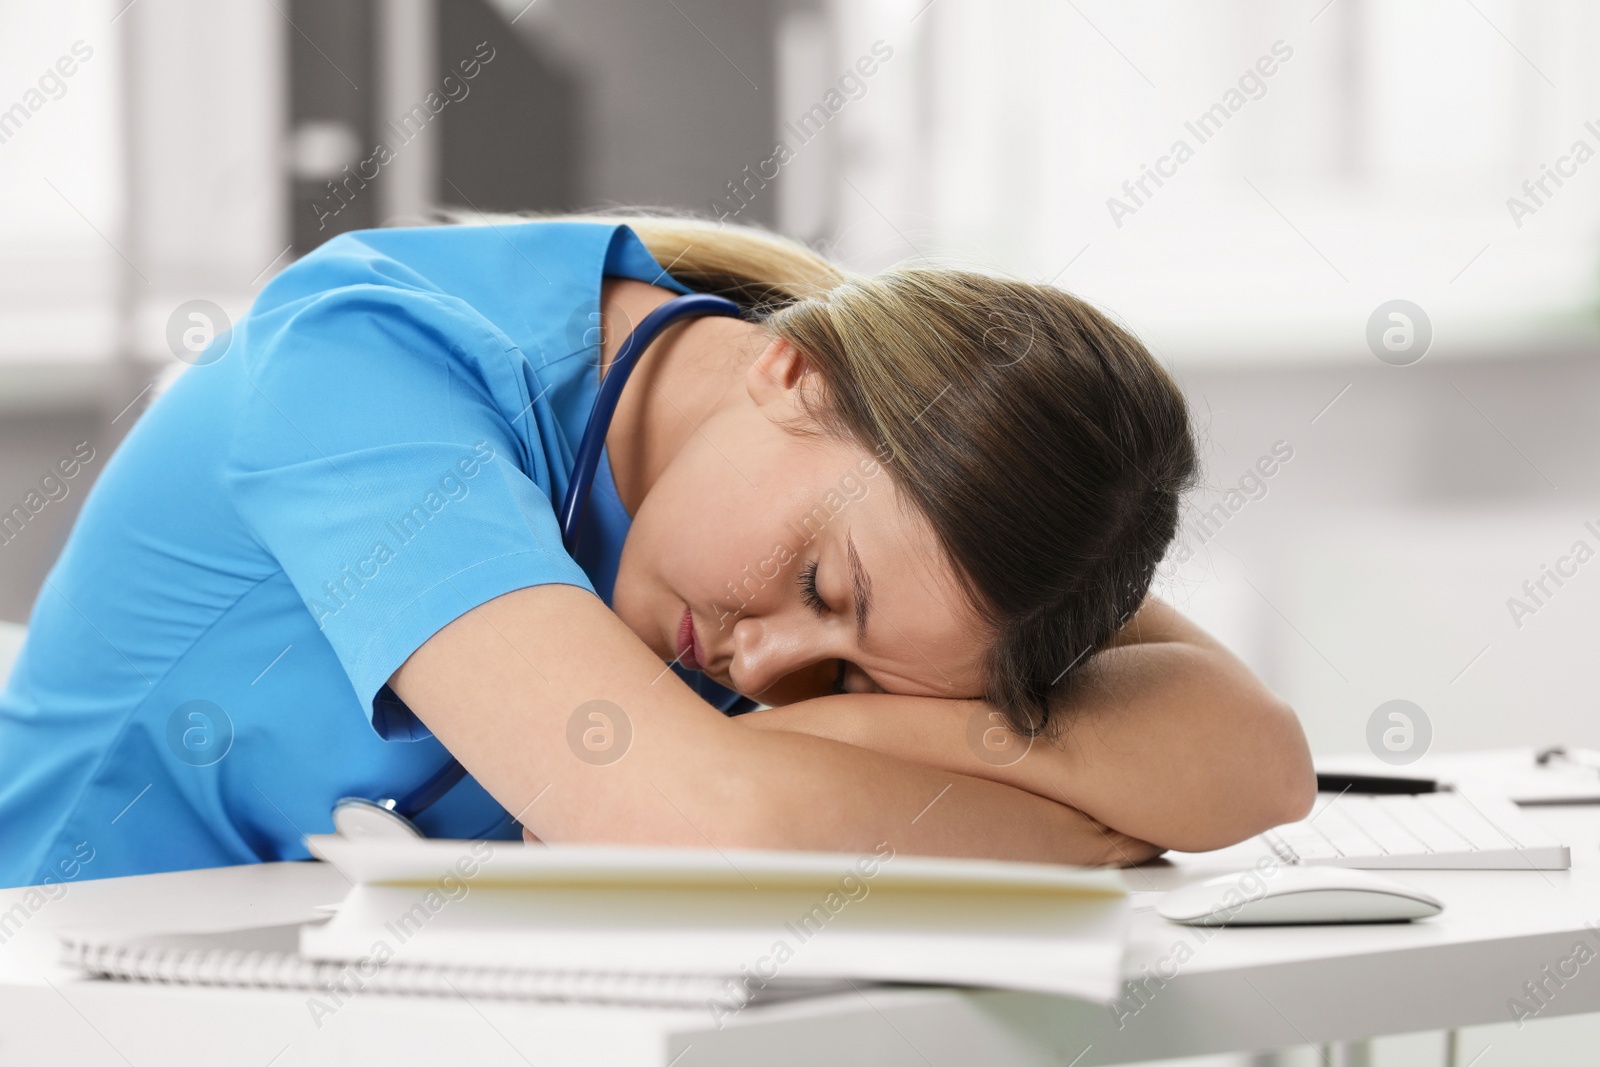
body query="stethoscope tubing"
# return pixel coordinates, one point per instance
(587, 461)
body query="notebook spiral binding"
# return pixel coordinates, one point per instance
(279, 970)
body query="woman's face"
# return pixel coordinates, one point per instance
(796, 559)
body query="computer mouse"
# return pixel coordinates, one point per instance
(1296, 895)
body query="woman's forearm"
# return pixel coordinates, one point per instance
(1168, 738)
(1009, 823)
(565, 717)
(822, 795)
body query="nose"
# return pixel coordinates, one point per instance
(777, 659)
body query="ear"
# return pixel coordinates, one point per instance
(777, 374)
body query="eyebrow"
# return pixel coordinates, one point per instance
(860, 587)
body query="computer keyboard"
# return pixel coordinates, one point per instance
(1451, 830)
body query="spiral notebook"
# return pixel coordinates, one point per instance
(268, 957)
(768, 915)
(718, 929)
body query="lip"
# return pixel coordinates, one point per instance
(689, 651)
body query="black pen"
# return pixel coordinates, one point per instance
(1377, 784)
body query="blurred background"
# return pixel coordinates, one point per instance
(1249, 186)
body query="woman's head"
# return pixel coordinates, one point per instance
(1013, 458)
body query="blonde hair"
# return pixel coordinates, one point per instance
(1044, 445)
(753, 267)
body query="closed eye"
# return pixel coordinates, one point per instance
(807, 579)
(808, 588)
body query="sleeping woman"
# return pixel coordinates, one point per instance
(913, 515)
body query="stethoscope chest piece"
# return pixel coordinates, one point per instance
(358, 818)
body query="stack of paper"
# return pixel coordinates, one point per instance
(754, 918)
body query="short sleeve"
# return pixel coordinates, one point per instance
(374, 458)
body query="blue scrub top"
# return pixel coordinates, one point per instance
(376, 453)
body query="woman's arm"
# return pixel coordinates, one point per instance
(1169, 738)
(503, 685)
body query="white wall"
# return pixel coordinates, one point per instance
(1375, 162)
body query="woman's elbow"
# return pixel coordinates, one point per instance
(1275, 784)
(1285, 782)
(1295, 783)
(1299, 798)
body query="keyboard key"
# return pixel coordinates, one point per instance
(1461, 816)
(1430, 826)
(1390, 832)
(1341, 824)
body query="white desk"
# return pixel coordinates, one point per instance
(1242, 989)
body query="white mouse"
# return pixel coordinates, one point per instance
(1296, 895)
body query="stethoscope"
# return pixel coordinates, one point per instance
(395, 818)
